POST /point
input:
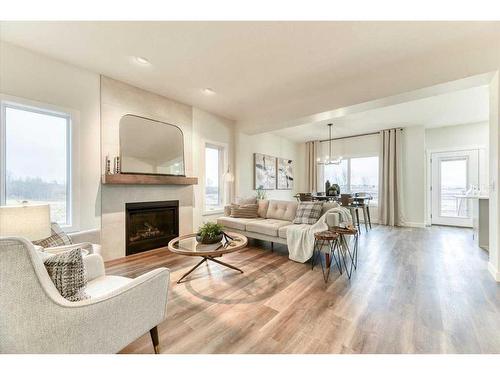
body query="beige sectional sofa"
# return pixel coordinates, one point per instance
(275, 217)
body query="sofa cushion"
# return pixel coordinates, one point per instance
(308, 212)
(282, 230)
(281, 210)
(104, 285)
(235, 223)
(248, 200)
(263, 206)
(268, 227)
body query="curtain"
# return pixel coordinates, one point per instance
(312, 150)
(390, 175)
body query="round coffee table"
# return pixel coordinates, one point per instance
(187, 245)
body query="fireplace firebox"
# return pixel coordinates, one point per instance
(150, 225)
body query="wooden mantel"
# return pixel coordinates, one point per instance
(147, 179)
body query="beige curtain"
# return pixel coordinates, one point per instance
(390, 174)
(312, 150)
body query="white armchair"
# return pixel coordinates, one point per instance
(35, 318)
(92, 236)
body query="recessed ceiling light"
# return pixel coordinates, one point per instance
(208, 91)
(141, 60)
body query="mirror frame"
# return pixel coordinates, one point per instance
(160, 122)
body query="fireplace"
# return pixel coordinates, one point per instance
(150, 225)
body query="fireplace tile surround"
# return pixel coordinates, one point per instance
(115, 197)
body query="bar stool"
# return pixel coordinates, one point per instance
(363, 201)
(344, 249)
(329, 239)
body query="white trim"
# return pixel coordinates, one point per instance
(428, 173)
(225, 162)
(213, 213)
(411, 224)
(73, 157)
(494, 272)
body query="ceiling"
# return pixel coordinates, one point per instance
(455, 108)
(256, 68)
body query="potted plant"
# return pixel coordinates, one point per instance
(261, 193)
(209, 233)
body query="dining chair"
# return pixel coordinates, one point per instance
(305, 197)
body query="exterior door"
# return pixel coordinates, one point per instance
(454, 175)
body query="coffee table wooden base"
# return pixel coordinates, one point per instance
(203, 261)
(188, 245)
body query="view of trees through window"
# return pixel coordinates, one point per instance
(36, 150)
(355, 175)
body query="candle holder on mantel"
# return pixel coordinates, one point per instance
(107, 165)
(117, 166)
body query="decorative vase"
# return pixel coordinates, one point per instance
(208, 240)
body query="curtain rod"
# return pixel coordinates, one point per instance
(357, 135)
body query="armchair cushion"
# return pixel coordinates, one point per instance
(104, 285)
(67, 272)
(57, 238)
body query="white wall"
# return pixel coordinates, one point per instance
(270, 144)
(214, 129)
(36, 78)
(468, 136)
(353, 147)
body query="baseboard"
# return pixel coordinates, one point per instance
(494, 272)
(413, 224)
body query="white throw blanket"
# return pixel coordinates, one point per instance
(300, 238)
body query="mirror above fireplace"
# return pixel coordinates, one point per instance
(150, 147)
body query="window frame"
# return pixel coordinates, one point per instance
(48, 110)
(223, 160)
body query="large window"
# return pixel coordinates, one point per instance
(214, 169)
(355, 175)
(35, 159)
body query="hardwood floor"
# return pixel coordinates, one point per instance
(415, 291)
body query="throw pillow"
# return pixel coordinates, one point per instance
(57, 238)
(308, 213)
(67, 272)
(248, 200)
(246, 211)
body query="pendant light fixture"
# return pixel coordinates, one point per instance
(327, 160)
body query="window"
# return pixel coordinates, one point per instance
(355, 175)
(36, 163)
(338, 174)
(214, 169)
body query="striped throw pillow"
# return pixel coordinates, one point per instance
(308, 213)
(245, 211)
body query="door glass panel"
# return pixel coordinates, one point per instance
(453, 186)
